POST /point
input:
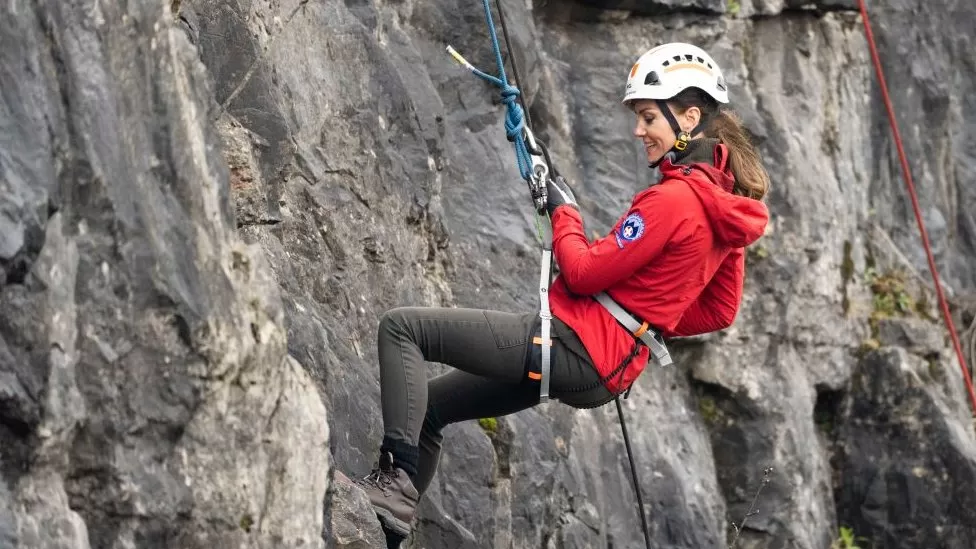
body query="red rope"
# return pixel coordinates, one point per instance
(918, 215)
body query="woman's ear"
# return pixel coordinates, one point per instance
(690, 118)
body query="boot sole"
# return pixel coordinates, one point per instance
(392, 523)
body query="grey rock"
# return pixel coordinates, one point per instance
(8, 521)
(471, 470)
(659, 7)
(399, 188)
(575, 534)
(147, 395)
(350, 521)
(896, 494)
(914, 334)
(762, 8)
(206, 210)
(436, 528)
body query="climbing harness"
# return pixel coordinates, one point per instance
(640, 330)
(909, 183)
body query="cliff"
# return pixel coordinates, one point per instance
(207, 205)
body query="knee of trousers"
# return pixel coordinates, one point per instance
(394, 321)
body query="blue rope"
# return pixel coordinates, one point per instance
(514, 117)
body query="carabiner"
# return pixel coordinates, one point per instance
(539, 180)
(540, 167)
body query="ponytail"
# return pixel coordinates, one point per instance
(751, 179)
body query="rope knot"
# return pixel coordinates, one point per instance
(510, 92)
(514, 118)
(514, 129)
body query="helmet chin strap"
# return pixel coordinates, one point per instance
(681, 137)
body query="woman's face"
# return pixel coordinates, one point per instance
(654, 131)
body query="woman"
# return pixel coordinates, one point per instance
(674, 259)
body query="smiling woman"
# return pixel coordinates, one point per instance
(676, 90)
(673, 265)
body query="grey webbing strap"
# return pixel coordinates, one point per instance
(540, 181)
(546, 317)
(649, 337)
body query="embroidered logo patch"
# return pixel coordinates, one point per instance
(631, 229)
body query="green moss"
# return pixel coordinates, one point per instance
(733, 7)
(758, 252)
(246, 523)
(846, 539)
(708, 408)
(890, 296)
(489, 424)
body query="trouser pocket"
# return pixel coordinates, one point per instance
(508, 330)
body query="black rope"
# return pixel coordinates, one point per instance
(633, 470)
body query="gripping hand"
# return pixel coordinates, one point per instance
(559, 194)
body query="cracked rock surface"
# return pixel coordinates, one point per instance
(147, 398)
(207, 205)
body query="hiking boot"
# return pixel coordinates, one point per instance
(392, 494)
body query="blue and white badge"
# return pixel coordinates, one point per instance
(631, 229)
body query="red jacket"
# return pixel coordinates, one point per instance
(675, 259)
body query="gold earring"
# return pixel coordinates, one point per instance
(681, 143)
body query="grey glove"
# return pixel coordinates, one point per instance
(559, 194)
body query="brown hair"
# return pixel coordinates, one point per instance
(751, 178)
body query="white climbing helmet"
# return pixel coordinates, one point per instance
(664, 71)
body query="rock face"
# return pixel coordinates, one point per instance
(896, 396)
(147, 398)
(350, 522)
(158, 369)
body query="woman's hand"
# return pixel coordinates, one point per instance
(559, 194)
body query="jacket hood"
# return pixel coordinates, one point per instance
(737, 221)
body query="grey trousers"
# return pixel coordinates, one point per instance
(492, 354)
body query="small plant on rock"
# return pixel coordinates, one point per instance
(890, 299)
(846, 539)
(890, 296)
(488, 424)
(752, 507)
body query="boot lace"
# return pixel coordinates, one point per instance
(379, 478)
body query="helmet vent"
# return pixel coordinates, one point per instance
(652, 79)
